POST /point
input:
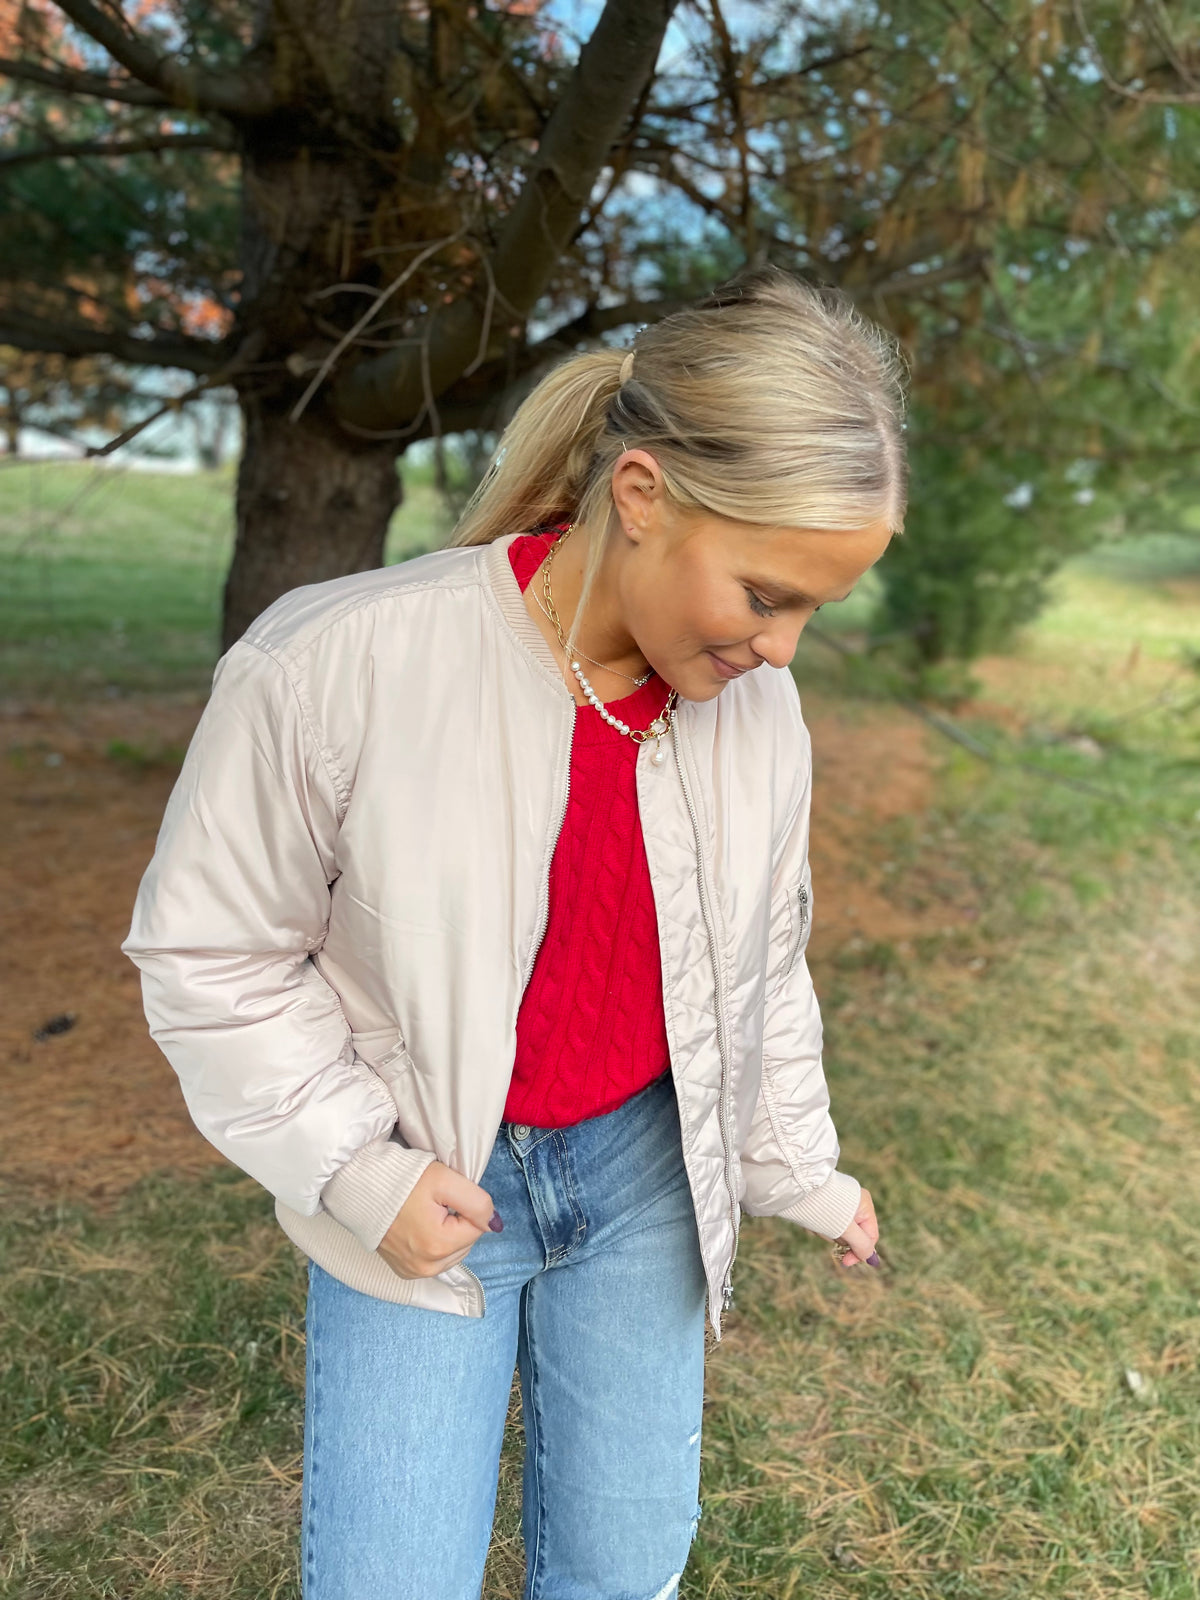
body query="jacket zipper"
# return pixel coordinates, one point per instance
(802, 908)
(544, 913)
(722, 1041)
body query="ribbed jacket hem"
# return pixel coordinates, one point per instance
(828, 1209)
(365, 1194)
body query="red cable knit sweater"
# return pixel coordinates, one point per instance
(590, 1030)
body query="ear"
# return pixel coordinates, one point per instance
(637, 490)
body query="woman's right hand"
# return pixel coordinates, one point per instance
(438, 1223)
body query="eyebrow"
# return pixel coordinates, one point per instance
(785, 594)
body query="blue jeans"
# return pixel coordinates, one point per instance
(595, 1291)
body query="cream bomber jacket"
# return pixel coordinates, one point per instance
(349, 888)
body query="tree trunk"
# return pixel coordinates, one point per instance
(12, 424)
(312, 503)
(341, 197)
(313, 499)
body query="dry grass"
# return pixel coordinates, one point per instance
(964, 1424)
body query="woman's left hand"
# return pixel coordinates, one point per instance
(862, 1235)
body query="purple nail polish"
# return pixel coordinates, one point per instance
(873, 1259)
(496, 1224)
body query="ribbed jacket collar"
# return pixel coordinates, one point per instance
(507, 594)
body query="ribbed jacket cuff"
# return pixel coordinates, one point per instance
(365, 1194)
(828, 1209)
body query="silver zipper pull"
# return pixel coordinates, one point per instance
(727, 1296)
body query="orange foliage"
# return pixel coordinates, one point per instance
(89, 307)
(38, 29)
(205, 318)
(198, 315)
(33, 26)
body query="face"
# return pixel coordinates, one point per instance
(708, 599)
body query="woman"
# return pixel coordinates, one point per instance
(476, 933)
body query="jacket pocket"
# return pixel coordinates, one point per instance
(384, 1050)
(799, 913)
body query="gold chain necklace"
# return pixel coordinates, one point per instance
(644, 679)
(661, 723)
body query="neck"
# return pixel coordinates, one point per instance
(602, 632)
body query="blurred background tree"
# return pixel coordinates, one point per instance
(377, 224)
(61, 394)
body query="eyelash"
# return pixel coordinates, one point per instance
(762, 609)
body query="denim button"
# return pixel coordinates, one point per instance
(521, 1131)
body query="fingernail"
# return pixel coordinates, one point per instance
(496, 1224)
(873, 1259)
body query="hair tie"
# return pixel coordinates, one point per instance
(627, 367)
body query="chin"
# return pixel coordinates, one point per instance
(700, 690)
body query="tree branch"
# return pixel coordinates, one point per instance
(68, 80)
(162, 350)
(236, 94)
(496, 50)
(684, 110)
(595, 320)
(1146, 97)
(118, 147)
(478, 402)
(660, 162)
(378, 394)
(241, 358)
(903, 283)
(729, 71)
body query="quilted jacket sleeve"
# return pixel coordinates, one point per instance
(789, 1161)
(229, 910)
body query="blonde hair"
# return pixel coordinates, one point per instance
(771, 400)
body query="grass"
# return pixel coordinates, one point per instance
(113, 579)
(1023, 1104)
(153, 1395)
(1010, 1410)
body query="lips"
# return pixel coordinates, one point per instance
(727, 669)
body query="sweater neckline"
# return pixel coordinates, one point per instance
(645, 699)
(649, 698)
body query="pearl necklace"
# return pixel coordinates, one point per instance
(661, 723)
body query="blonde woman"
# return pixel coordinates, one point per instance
(476, 930)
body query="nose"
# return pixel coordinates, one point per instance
(777, 642)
